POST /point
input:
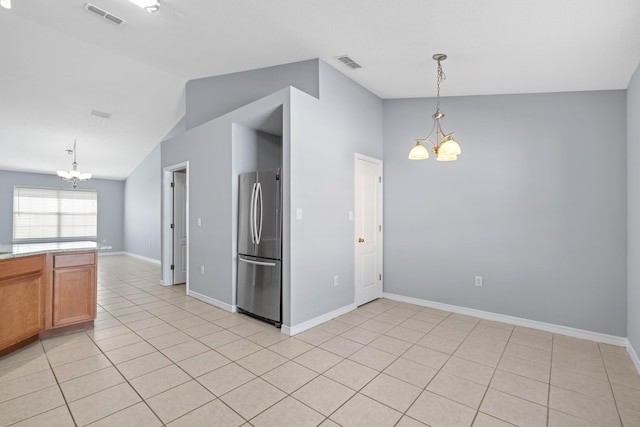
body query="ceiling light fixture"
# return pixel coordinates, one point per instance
(73, 176)
(447, 148)
(148, 5)
(6, 4)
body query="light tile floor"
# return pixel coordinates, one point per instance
(157, 357)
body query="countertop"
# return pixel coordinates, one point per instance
(25, 249)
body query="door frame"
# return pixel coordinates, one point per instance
(179, 227)
(380, 207)
(167, 215)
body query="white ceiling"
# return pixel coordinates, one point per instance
(58, 61)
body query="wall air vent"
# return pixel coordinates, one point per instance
(348, 62)
(100, 114)
(104, 14)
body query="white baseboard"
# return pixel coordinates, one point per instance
(111, 253)
(296, 329)
(143, 258)
(212, 301)
(534, 324)
(634, 356)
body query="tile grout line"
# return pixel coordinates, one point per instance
(189, 375)
(606, 371)
(73, 418)
(484, 395)
(181, 305)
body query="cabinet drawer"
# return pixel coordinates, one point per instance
(74, 260)
(20, 266)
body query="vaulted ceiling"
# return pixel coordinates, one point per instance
(58, 61)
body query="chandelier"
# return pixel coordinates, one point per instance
(73, 176)
(447, 149)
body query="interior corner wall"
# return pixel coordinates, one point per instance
(178, 128)
(213, 197)
(110, 204)
(633, 215)
(211, 97)
(326, 133)
(142, 208)
(536, 205)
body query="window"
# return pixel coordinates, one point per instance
(41, 214)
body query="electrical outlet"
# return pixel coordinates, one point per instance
(202, 270)
(478, 280)
(336, 281)
(104, 241)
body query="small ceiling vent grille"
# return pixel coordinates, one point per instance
(104, 14)
(348, 62)
(100, 114)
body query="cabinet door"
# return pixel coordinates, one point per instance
(21, 308)
(74, 295)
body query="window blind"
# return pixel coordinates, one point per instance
(54, 214)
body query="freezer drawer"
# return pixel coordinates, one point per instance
(259, 289)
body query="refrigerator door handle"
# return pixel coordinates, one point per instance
(252, 214)
(259, 230)
(266, 264)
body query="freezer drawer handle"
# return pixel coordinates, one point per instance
(267, 264)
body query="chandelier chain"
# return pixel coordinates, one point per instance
(441, 77)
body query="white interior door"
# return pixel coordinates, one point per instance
(368, 229)
(179, 227)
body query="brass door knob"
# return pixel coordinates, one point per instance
(360, 240)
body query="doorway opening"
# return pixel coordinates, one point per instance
(175, 225)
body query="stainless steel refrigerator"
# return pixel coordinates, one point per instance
(259, 285)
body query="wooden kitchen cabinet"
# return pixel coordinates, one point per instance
(46, 294)
(73, 289)
(22, 289)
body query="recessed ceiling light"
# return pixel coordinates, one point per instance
(148, 5)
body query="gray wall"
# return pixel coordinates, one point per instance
(536, 204)
(255, 150)
(142, 208)
(211, 97)
(177, 129)
(326, 133)
(212, 196)
(633, 215)
(319, 140)
(110, 203)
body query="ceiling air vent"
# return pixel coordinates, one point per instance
(348, 62)
(100, 114)
(104, 14)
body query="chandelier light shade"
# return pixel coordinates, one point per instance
(74, 176)
(6, 4)
(446, 149)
